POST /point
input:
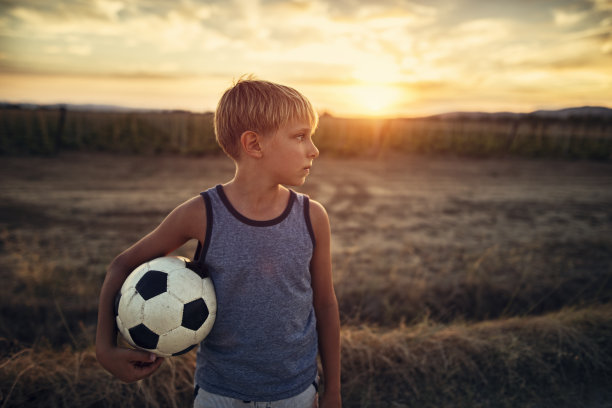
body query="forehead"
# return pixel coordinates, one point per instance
(295, 126)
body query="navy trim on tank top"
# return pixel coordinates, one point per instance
(307, 219)
(255, 223)
(201, 250)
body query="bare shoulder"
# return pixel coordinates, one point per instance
(319, 218)
(191, 216)
(187, 221)
(193, 205)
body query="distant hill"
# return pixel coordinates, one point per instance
(582, 111)
(567, 113)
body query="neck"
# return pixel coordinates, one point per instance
(255, 196)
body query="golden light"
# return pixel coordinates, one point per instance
(375, 92)
(374, 99)
(377, 69)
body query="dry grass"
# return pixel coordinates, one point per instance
(43, 377)
(557, 359)
(518, 280)
(467, 283)
(503, 363)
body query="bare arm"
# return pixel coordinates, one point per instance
(187, 221)
(326, 307)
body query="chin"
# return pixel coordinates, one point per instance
(296, 183)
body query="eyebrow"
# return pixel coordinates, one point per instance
(306, 129)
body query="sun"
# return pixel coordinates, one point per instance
(375, 91)
(374, 99)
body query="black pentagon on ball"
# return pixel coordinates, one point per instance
(194, 314)
(152, 283)
(117, 300)
(184, 351)
(143, 337)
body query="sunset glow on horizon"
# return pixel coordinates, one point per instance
(350, 57)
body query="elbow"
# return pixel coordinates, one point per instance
(118, 264)
(120, 267)
(326, 307)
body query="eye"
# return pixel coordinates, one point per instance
(300, 137)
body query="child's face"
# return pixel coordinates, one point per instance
(288, 153)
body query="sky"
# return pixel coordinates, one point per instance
(350, 57)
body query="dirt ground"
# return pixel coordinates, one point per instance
(398, 215)
(381, 207)
(390, 208)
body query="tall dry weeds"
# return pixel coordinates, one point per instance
(554, 360)
(42, 377)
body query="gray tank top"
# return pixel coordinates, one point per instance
(263, 345)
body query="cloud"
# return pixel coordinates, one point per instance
(357, 10)
(604, 5)
(431, 49)
(110, 8)
(82, 49)
(566, 18)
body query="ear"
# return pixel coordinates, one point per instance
(249, 142)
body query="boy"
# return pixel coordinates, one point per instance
(267, 250)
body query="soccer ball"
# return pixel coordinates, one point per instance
(166, 306)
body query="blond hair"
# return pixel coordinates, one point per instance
(258, 106)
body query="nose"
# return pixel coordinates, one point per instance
(313, 152)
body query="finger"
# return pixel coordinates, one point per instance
(147, 368)
(140, 356)
(136, 371)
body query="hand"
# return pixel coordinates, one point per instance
(128, 365)
(329, 400)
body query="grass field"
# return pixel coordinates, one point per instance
(462, 282)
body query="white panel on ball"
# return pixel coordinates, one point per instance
(209, 296)
(131, 308)
(177, 339)
(185, 285)
(163, 313)
(167, 263)
(124, 331)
